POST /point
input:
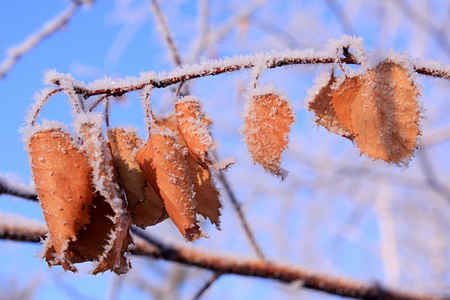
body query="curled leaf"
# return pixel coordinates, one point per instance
(193, 126)
(162, 160)
(146, 207)
(324, 112)
(79, 219)
(268, 121)
(380, 108)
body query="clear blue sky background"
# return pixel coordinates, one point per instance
(91, 47)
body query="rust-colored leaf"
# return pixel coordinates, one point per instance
(145, 206)
(105, 181)
(193, 127)
(380, 109)
(164, 165)
(324, 112)
(206, 193)
(78, 218)
(267, 125)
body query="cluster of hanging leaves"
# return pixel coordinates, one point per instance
(92, 190)
(378, 110)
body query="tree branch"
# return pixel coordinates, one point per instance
(153, 248)
(227, 65)
(13, 188)
(16, 52)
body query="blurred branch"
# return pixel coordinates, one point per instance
(151, 247)
(13, 188)
(165, 31)
(241, 216)
(58, 23)
(206, 286)
(341, 16)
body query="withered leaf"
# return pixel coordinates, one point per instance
(78, 218)
(164, 165)
(193, 127)
(324, 112)
(380, 109)
(145, 206)
(267, 125)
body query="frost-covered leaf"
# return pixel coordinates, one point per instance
(146, 208)
(324, 114)
(380, 108)
(207, 196)
(193, 126)
(79, 219)
(268, 120)
(105, 181)
(164, 165)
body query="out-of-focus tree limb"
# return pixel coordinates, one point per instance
(152, 248)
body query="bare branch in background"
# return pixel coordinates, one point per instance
(341, 16)
(165, 31)
(241, 216)
(17, 189)
(151, 247)
(58, 23)
(206, 286)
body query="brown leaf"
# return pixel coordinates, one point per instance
(193, 126)
(164, 165)
(78, 218)
(145, 206)
(324, 112)
(380, 109)
(267, 125)
(105, 181)
(206, 194)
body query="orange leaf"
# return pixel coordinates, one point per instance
(163, 163)
(79, 220)
(145, 206)
(380, 109)
(324, 112)
(193, 127)
(267, 125)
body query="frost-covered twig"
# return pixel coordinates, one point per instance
(232, 64)
(165, 31)
(58, 23)
(150, 247)
(17, 189)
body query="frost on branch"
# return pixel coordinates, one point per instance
(146, 207)
(84, 225)
(378, 109)
(268, 120)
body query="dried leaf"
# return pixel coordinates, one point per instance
(78, 218)
(145, 206)
(193, 127)
(324, 112)
(163, 163)
(267, 125)
(380, 109)
(105, 181)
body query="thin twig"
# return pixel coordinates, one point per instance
(147, 246)
(165, 31)
(241, 216)
(207, 285)
(58, 23)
